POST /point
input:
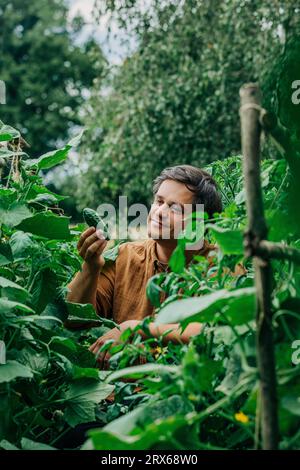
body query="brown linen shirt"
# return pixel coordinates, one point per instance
(121, 289)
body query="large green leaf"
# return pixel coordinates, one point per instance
(230, 241)
(140, 371)
(12, 290)
(48, 225)
(11, 214)
(88, 390)
(6, 445)
(8, 306)
(6, 255)
(50, 159)
(37, 189)
(85, 311)
(238, 306)
(28, 444)
(12, 370)
(43, 289)
(159, 432)
(7, 132)
(37, 361)
(292, 404)
(198, 371)
(82, 397)
(21, 243)
(177, 259)
(153, 290)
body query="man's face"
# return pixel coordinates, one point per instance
(168, 210)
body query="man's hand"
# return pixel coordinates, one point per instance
(174, 335)
(114, 336)
(90, 247)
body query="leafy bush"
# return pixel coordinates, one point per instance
(198, 396)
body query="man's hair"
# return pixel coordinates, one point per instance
(199, 181)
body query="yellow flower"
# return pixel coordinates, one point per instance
(241, 417)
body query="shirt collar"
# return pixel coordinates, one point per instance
(164, 266)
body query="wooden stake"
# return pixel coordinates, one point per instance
(257, 231)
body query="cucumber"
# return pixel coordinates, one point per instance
(93, 220)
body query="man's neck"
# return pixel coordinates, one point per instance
(165, 250)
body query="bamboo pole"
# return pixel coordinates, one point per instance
(270, 250)
(257, 231)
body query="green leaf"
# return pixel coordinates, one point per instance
(153, 290)
(237, 305)
(85, 373)
(48, 225)
(232, 376)
(140, 371)
(112, 253)
(199, 371)
(50, 159)
(56, 309)
(76, 140)
(12, 290)
(8, 133)
(37, 361)
(161, 431)
(8, 306)
(6, 255)
(162, 409)
(81, 397)
(292, 404)
(43, 289)
(37, 189)
(177, 259)
(21, 243)
(12, 370)
(230, 241)
(88, 390)
(6, 445)
(28, 444)
(78, 413)
(82, 311)
(12, 214)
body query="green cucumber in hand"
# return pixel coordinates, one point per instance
(93, 220)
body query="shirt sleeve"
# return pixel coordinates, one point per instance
(105, 291)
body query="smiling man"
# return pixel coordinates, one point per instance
(118, 290)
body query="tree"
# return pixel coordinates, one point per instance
(175, 99)
(45, 72)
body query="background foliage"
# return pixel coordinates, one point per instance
(46, 72)
(175, 100)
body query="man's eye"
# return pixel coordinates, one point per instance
(176, 208)
(158, 201)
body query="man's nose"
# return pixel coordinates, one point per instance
(163, 211)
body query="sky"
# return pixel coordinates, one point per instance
(113, 49)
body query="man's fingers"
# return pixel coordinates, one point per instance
(95, 346)
(84, 236)
(101, 247)
(105, 363)
(92, 237)
(87, 252)
(95, 247)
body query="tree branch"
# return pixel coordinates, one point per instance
(257, 231)
(266, 250)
